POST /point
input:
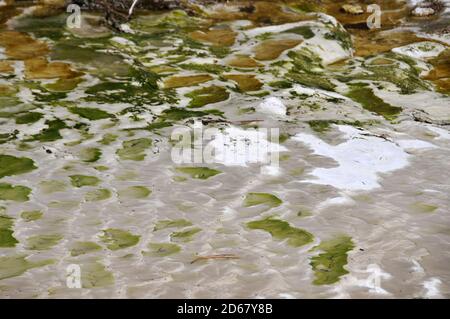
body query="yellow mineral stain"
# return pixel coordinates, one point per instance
(440, 74)
(373, 43)
(40, 68)
(21, 46)
(272, 49)
(243, 61)
(245, 82)
(183, 81)
(6, 67)
(216, 37)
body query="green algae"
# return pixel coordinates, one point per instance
(92, 114)
(134, 150)
(161, 249)
(14, 193)
(11, 165)
(90, 155)
(108, 138)
(372, 103)
(14, 266)
(185, 235)
(51, 133)
(83, 247)
(115, 239)
(177, 223)
(328, 266)
(254, 199)
(198, 172)
(207, 95)
(98, 195)
(282, 230)
(177, 114)
(94, 275)
(135, 192)
(29, 216)
(339, 34)
(305, 31)
(319, 126)
(424, 207)
(29, 118)
(84, 180)
(52, 186)
(63, 85)
(7, 239)
(43, 242)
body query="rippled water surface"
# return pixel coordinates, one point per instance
(358, 207)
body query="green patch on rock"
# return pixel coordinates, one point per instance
(305, 31)
(178, 114)
(281, 230)
(14, 266)
(32, 215)
(177, 223)
(98, 195)
(319, 126)
(372, 103)
(51, 133)
(28, 118)
(92, 114)
(118, 239)
(52, 186)
(7, 239)
(328, 266)
(254, 199)
(185, 235)
(108, 138)
(161, 249)
(43, 242)
(95, 275)
(134, 150)
(207, 95)
(198, 172)
(84, 247)
(14, 193)
(84, 180)
(135, 192)
(90, 155)
(11, 165)
(424, 207)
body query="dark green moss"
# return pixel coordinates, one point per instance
(328, 266)
(90, 113)
(207, 95)
(304, 31)
(281, 230)
(11, 165)
(28, 118)
(7, 239)
(373, 103)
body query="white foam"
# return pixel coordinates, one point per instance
(360, 158)
(432, 288)
(421, 50)
(273, 106)
(238, 147)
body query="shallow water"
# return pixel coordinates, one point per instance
(358, 207)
